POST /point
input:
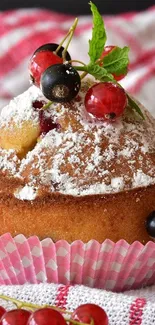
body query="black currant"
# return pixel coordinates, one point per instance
(60, 83)
(150, 224)
(52, 47)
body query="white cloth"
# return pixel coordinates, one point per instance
(133, 307)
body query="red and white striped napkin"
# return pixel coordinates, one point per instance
(131, 308)
(23, 30)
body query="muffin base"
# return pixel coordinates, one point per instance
(119, 216)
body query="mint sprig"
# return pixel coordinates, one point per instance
(99, 73)
(97, 43)
(135, 106)
(117, 60)
(114, 63)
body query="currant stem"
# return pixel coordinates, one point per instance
(84, 69)
(47, 105)
(71, 32)
(83, 74)
(79, 68)
(78, 61)
(64, 39)
(20, 304)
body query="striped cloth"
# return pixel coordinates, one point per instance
(131, 308)
(23, 30)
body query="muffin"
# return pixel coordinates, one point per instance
(78, 154)
(67, 175)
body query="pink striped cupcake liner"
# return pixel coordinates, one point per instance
(26, 258)
(16, 266)
(50, 259)
(38, 259)
(111, 266)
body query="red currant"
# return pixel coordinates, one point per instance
(2, 311)
(106, 100)
(53, 47)
(46, 123)
(38, 104)
(15, 317)
(88, 312)
(40, 62)
(46, 316)
(106, 51)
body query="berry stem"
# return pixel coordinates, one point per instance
(78, 61)
(71, 33)
(84, 69)
(64, 39)
(79, 68)
(46, 106)
(84, 74)
(20, 304)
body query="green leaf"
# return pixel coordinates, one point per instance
(135, 106)
(97, 43)
(117, 60)
(99, 72)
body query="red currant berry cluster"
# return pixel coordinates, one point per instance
(51, 68)
(83, 315)
(59, 82)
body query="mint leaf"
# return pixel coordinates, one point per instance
(96, 44)
(117, 60)
(135, 106)
(99, 72)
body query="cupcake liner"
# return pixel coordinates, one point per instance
(14, 256)
(50, 258)
(111, 266)
(8, 272)
(26, 258)
(38, 259)
(63, 254)
(77, 258)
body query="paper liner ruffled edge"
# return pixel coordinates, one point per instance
(111, 266)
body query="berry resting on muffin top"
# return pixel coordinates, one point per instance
(53, 71)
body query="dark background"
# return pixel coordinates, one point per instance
(80, 6)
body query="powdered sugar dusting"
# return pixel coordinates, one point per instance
(26, 193)
(141, 179)
(20, 108)
(8, 161)
(84, 156)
